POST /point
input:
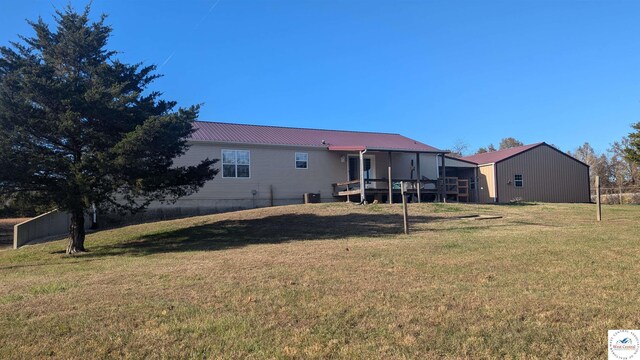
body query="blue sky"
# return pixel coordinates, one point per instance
(564, 72)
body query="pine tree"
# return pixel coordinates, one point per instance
(78, 127)
(510, 142)
(632, 150)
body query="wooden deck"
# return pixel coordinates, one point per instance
(457, 188)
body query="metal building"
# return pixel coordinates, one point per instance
(536, 172)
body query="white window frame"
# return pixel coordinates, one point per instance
(295, 161)
(235, 163)
(515, 181)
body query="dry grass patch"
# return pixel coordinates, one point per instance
(331, 280)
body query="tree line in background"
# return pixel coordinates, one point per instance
(615, 168)
(460, 147)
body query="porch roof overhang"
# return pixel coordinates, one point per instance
(373, 148)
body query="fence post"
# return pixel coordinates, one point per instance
(598, 204)
(405, 213)
(271, 195)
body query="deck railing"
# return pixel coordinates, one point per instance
(383, 184)
(452, 186)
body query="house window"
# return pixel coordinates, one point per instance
(302, 160)
(517, 180)
(235, 163)
(472, 183)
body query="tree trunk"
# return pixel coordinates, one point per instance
(620, 195)
(76, 233)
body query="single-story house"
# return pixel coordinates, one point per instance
(268, 165)
(536, 172)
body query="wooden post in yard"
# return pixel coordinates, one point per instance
(405, 213)
(598, 204)
(270, 195)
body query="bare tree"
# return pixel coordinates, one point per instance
(459, 149)
(598, 164)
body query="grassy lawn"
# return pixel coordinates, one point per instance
(332, 280)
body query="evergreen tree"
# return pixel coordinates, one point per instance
(632, 149)
(626, 172)
(78, 127)
(487, 149)
(510, 142)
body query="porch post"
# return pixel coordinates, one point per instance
(475, 181)
(348, 179)
(362, 197)
(444, 179)
(418, 175)
(390, 181)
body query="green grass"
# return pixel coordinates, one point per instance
(51, 288)
(440, 208)
(332, 281)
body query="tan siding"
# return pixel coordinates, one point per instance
(486, 184)
(274, 166)
(270, 166)
(401, 165)
(548, 176)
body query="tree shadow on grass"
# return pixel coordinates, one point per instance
(269, 230)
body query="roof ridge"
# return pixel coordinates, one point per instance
(494, 156)
(507, 149)
(300, 128)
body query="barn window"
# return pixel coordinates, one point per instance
(236, 163)
(517, 180)
(302, 160)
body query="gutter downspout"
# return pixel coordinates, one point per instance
(362, 197)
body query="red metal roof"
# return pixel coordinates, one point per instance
(497, 156)
(330, 139)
